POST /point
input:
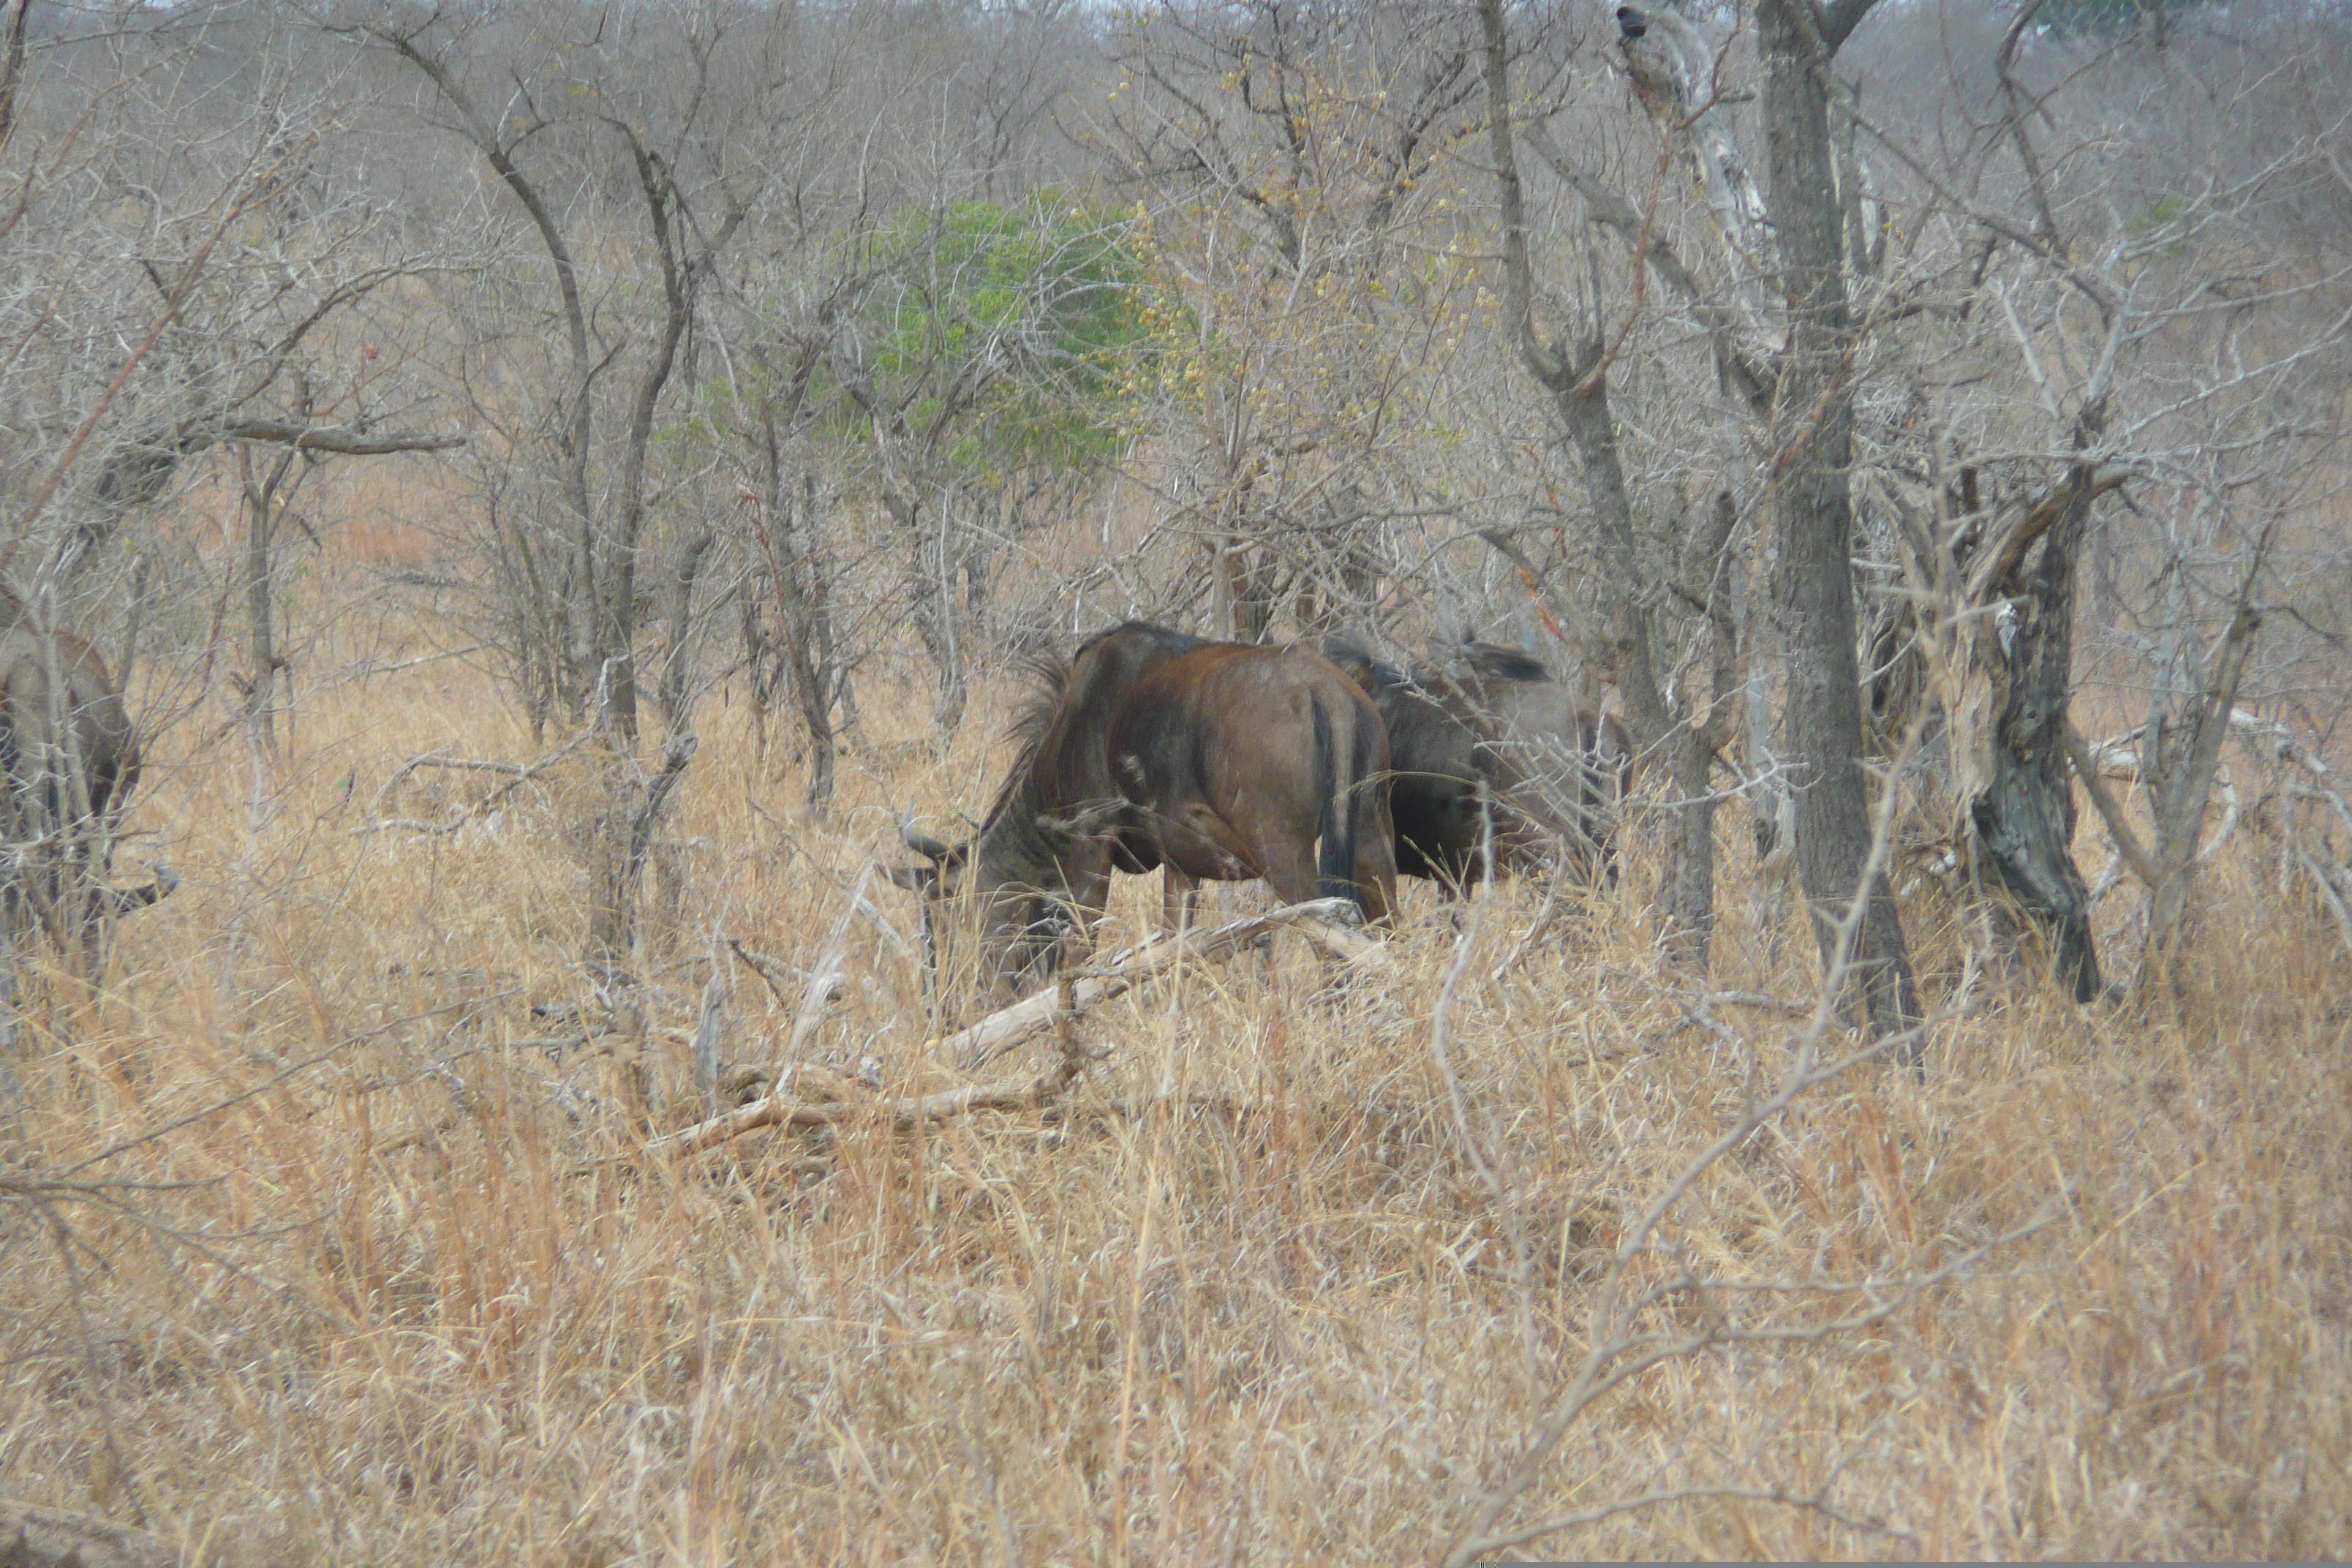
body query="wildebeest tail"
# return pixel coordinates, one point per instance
(1340, 788)
(1335, 824)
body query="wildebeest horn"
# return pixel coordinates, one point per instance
(922, 843)
(1084, 821)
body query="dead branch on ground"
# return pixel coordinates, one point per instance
(48, 1537)
(827, 979)
(1319, 920)
(519, 774)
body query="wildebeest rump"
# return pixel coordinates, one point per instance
(68, 761)
(1151, 749)
(1492, 725)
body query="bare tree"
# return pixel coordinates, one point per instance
(1652, 620)
(1811, 451)
(1291, 158)
(693, 188)
(2134, 304)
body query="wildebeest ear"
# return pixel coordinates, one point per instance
(914, 879)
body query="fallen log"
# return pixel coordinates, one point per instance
(1320, 921)
(50, 1537)
(779, 1110)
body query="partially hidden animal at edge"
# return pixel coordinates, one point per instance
(1149, 749)
(68, 762)
(1488, 727)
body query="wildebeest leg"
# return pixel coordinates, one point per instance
(1179, 898)
(1291, 872)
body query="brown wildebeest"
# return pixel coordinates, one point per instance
(1151, 749)
(68, 761)
(1491, 725)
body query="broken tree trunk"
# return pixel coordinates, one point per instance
(1999, 646)
(2024, 815)
(828, 978)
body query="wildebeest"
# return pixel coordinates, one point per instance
(68, 761)
(1491, 725)
(1149, 749)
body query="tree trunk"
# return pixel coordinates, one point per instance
(620, 825)
(1245, 606)
(611, 891)
(931, 569)
(260, 609)
(755, 656)
(1812, 443)
(1688, 896)
(808, 639)
(2025, 819)
(678, 615)
(2183, 779)
(128, 657)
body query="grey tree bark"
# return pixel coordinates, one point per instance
(1812, 449)
(677, 621)
(262, 503)
(2024, 819)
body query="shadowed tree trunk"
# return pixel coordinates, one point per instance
(802, 596)
(2026, 817)
(262, 501)
(1995, 638)
(1813, 451)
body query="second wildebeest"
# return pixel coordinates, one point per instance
(1150, 748)
(1489, 728)
(68, 761)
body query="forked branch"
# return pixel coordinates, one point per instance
(1320, 920)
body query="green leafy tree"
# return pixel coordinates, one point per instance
(981, 362)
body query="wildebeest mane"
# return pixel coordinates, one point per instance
(1058, 721)
(1046, 670)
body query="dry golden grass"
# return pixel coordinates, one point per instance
(398, 1291)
